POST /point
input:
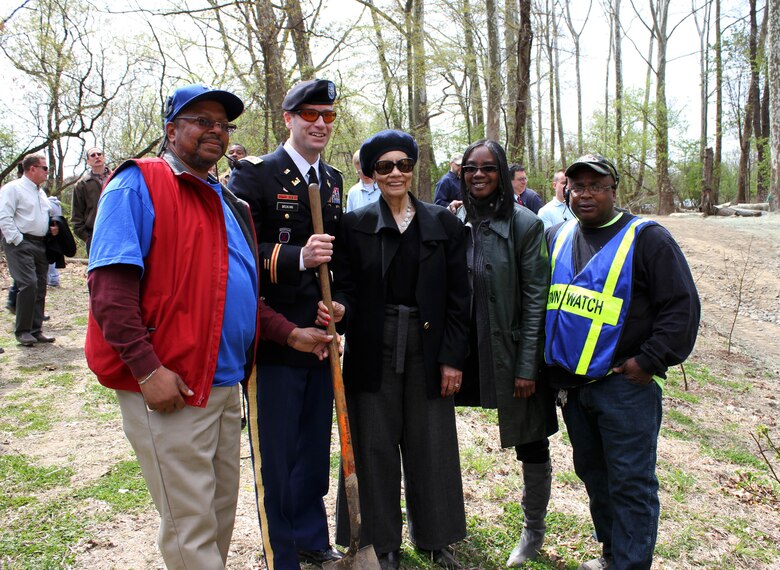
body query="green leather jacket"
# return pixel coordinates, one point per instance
(518, 269)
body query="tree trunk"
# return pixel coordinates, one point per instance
(420, 125)
(704, 33)
(618, 88)
(575, 36)
(605, 142)
(640, 178)
(523, 82)
(300, 36)
(718, 107)
(390, 105)
(760, 113)
(548, 44)
(557, 78)
(665, 191)
(751, 108)
(275, 89)
(707, 207)
(773, 78)
(472, 73)
(493, 72)
(511, 35)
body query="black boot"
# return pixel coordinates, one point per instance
(537, 479)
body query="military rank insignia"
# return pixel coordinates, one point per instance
(284, 235)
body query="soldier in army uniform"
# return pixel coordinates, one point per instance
(295, 396)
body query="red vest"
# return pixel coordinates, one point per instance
(183, 286)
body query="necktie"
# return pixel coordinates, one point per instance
(518, 199)
(313, 176)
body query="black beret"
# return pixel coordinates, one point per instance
(382, 142)
(312, 92)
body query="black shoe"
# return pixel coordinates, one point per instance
(2, 350)
(390, 560)
(318, 557)
(40, 337)
(443, 557)
(11, 309)
(26, 339)
(45, 318)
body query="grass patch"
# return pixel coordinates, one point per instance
(100, 403)
(567, 478)
(753, 544)
(677, 482)
(81, 321)
(736, 454)
(679, 418)
(21, 416)
(123, 488)
(476, 461)
(681, 543)
(17, 472)
(59, 381)
(42, 536)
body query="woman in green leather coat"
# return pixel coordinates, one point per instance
(509, 274)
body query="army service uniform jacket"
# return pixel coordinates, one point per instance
(278, 198)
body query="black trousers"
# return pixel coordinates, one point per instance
(400, 426)
(29, 269)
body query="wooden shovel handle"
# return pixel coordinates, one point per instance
(345, 437)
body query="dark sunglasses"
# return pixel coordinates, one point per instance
(95, 154)
(46, 168)
(311, 115)
(486, 168)
(404, 165)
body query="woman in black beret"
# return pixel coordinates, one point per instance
(399, 271)
(508, 265)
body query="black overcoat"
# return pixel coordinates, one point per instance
(366, 243)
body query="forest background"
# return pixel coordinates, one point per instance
(549, 79)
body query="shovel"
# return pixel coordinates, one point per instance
(356, 558)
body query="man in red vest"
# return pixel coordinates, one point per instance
(173, 324)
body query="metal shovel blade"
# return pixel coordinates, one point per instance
(363, 559)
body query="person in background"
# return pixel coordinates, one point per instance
(510, 275)
(556, 210)
(25, 217)
(448, 187)
(235, 153)
(365, 191)
(622, 309)
(524, 195)
(53, 276)
(86, 195)
(400, 285)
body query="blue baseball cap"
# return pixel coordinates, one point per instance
(189, 94)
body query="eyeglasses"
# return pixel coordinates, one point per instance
(205, 123)
(46, 168)
(593, 189)
(404, 165)
(311, 115)
(485, 168)
(95, 154)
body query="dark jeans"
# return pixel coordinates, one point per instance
(613, 426)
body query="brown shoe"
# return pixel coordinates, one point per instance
(40, 337)
(26, 339)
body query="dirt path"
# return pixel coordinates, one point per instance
(715, 524)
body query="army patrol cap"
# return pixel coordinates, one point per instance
(312, 92)
(189, 94)
(596, 163)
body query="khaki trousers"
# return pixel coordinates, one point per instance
(190, 460)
